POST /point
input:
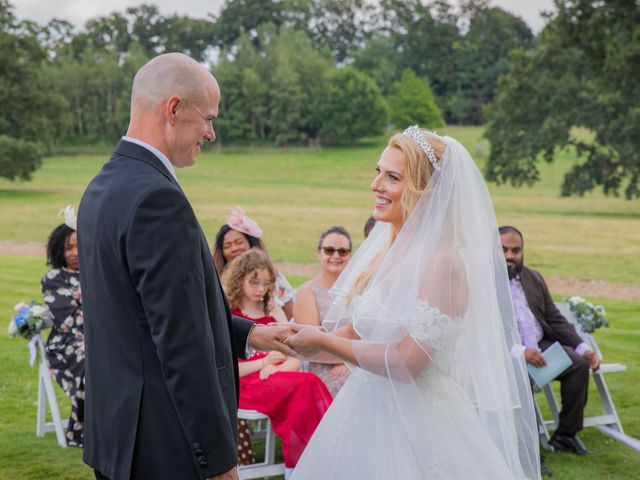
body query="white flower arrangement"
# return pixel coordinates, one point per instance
(30, 319)
(590, 317)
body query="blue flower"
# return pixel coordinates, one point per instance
(21, 318)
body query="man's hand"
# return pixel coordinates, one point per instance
(230, 475)
(272, 337)
(594, 361)
(534, 357)
(307, 339)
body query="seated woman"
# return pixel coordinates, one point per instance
(65, 345)
(313, 300)
(271, 382)
(238, 235)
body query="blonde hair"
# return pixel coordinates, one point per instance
(248, 264)
(418, 173)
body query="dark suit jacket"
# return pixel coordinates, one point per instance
(161, 370)
(554, 326)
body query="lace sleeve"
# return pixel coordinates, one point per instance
(432, 328)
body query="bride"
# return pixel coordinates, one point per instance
(423, 316)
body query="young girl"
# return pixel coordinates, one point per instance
(236, 236)
(271, 382)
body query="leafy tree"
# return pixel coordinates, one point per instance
(425, 40)
(350, 106)
(31, 118)
(583, 74)
(412, 102)
(267, 92)
(238, 120)
(482, 56)
(187, 35)
(18, 158)
(339, 25)
(379, 58)
(97, 88)
(238, 17)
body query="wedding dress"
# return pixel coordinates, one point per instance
(436, 393)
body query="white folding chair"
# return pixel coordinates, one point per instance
(261, 431)
(609, 423)
(47, 395)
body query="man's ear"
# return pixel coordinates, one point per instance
(171, 108)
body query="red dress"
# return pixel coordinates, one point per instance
(294, 401)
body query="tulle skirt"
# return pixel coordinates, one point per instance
(378, 429)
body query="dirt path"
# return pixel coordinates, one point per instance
(560, 286)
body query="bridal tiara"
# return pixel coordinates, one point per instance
(415, 134)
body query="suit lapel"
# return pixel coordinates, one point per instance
(531, 294)
(137, 152)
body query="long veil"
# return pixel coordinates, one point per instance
(437, 304)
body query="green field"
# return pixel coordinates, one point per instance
(294, 194)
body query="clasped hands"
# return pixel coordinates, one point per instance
(289, 338)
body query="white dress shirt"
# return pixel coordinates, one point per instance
(530, 329)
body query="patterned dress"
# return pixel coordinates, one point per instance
(323, 370)
(65, 345)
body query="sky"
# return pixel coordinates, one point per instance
(78, 11)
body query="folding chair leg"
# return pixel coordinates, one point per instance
(607, 402)
(50, 394)
(41, 420)
(543, 431)
(553, 404)
(270, 445)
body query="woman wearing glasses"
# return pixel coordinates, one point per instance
(313, 300)
(271, 382)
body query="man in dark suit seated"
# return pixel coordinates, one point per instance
(161, 345)
(541, 324)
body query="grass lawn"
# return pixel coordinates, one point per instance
(295, 194)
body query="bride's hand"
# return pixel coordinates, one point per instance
(307, 339)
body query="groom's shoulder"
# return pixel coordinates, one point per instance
(127, 170)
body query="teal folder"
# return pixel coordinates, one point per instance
(557, 362)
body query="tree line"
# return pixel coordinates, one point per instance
(333, 71)
(280, 64)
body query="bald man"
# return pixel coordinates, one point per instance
(161, 345)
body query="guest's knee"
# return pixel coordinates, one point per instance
(581, 367)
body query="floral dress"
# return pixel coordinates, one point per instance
(65, 345)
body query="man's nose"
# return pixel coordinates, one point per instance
(210, 136)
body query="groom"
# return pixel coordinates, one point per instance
(161, 345)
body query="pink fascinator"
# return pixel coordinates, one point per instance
(237, 220)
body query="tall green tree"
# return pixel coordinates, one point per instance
(583, 74)
(379, 58)
(350, 106)
(481, 57)
(412, 102)
(31, 118)
(268, 90)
